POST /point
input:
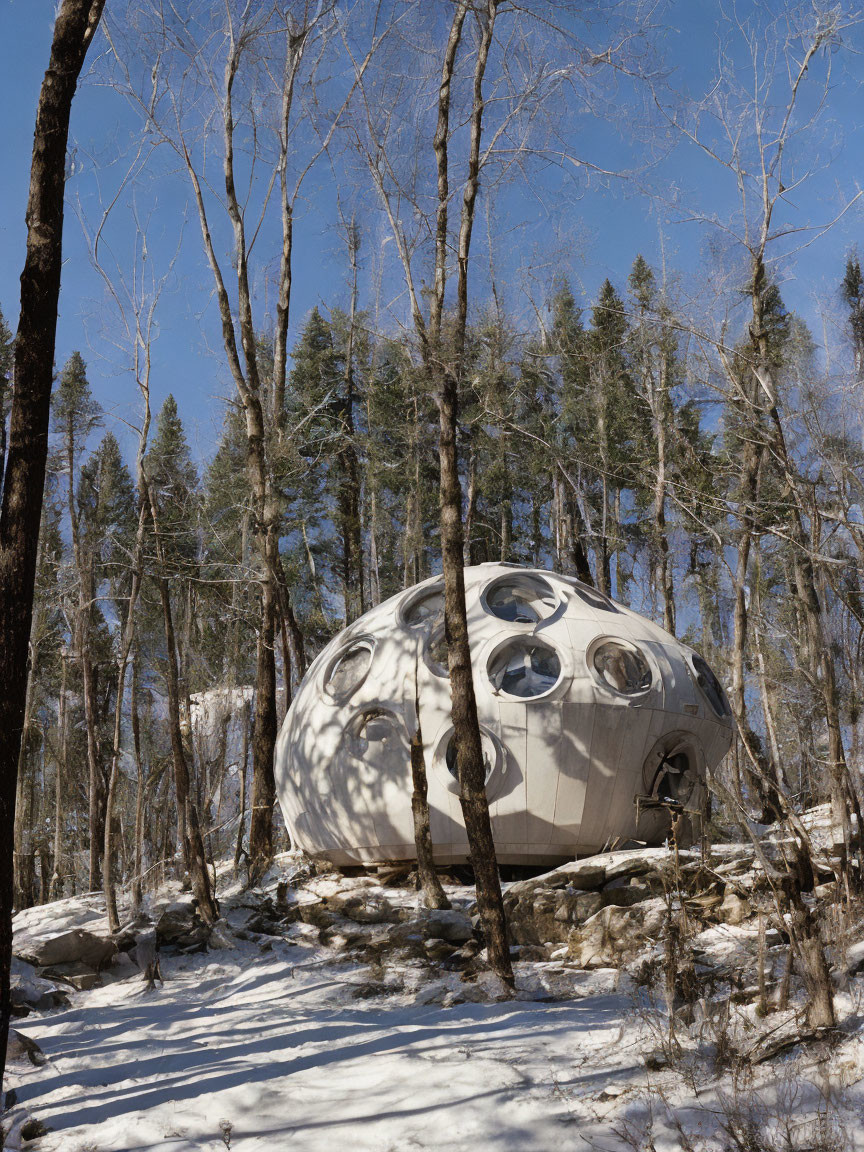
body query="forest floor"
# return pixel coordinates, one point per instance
(285, 1042)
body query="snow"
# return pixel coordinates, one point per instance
(284, 1043)
(277, 1047)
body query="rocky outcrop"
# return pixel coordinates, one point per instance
(616, 934)
(607, 907)
(75, 946)
(180, 926)
(30, 992)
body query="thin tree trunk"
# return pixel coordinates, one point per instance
(244, 768)
(200, 877)
(140, 778)
(23, 853)
(24, 475)
(466, 729)
(126, 647)
(430, 885)
(56, 888)
(263, 743)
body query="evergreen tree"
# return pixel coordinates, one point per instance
(76, 414)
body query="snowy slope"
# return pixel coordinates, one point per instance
(285, 1043)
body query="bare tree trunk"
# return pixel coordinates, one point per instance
(125, 649)
(140, 780)
(24, 475)
(664, 567)
(244, 767)
(56, 887)
(470, 507)
(23, 851)
(200, 877)
(466, 729)
(430, 885)
(263, 743)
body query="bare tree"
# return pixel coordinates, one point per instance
(24, 473)
(442, 353)
(255, 81)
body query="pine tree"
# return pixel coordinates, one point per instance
(76, 414)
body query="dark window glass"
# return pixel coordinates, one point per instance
(425, 608)
(525, 668)
(520, 599)
(710, 686)
(349, 671)
(622, 668)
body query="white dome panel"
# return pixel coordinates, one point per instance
(569, 746)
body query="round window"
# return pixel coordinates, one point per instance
(373, 731)
(490, 755)
(524, 667)
(435, 653)
(593, 597)
(710, 686)
(621, 667)
(674, 779)
(425, 608)
(520, 599)
(349, 670)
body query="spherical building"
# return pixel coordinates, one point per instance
(597, 725)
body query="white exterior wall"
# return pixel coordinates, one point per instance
(570, 762)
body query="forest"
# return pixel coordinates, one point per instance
(679, 427)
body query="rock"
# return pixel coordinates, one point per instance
(317, 914)
(362, 907)
(615, 933)
(33, 1128)
(657, 1059)
(220, 937)
(625, 892)
(446, 924)
(181, 926)
(369, 990)
(68, 947)
(544, 909)
(734, 909)
(31, 992)
(21, 1047)
(79, 975)
(437, 949)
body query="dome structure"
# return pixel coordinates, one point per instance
(596, 725)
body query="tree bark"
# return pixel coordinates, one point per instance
(24, 475)
(430, 885)
(263, 742)
(200, 877)
(466, 729)
(56, 887)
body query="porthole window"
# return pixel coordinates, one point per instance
(490, 755)
(591, 596)
(435, 653)
(621, 667)
(349, 670)
(373, 731)
(424, 609)
(520, 599)
(710, 686)
(672, 773)
(594, 598)
(524, 667)
(675, 779)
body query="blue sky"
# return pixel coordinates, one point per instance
(595, 230)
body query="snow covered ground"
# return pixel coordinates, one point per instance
(285, 1043)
